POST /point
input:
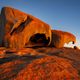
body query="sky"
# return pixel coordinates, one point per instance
(59, 14)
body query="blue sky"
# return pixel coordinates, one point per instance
(60, 14)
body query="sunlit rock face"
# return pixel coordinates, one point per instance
(59, 38)
(19, 29)
(46, 68)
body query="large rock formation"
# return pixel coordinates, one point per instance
(46, 64)
(19, 29)
(48, 68)
(59, 38)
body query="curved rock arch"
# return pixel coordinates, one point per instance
(59, 38)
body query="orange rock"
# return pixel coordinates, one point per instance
(19, 29)
(75, 47)
(48, 68)
(63, 66)
(59, 38)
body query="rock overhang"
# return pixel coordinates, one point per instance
(20, 29)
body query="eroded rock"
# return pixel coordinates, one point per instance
(19, 29)
(59, 38)
(48, 68)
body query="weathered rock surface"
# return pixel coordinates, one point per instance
(17, 29)
(59, 38)
(46, 64)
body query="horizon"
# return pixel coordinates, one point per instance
(60, 15)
